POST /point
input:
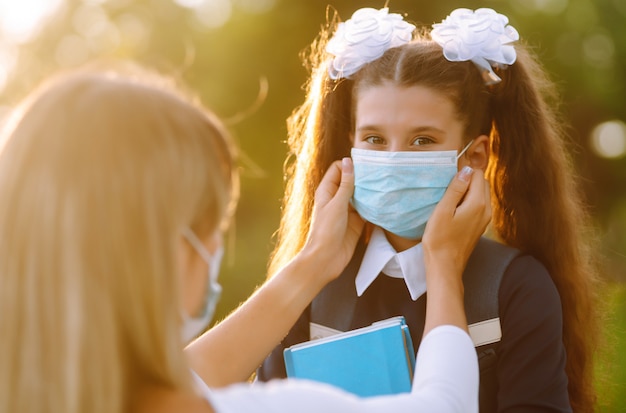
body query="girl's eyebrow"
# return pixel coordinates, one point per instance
(368, 127)
(428, 128)
(417, 129)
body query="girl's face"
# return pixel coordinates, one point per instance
(415, 118)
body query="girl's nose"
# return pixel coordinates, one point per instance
(395, 147)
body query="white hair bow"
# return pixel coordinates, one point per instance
(364, 38)
(482, 36)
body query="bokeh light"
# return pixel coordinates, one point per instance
(552, 7)
(599, 49)
(209, 13)
(608, 139)
(88, 20)
(134, 30)
(71, 51)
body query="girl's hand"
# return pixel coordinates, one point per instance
(335, 225)
(458, 221)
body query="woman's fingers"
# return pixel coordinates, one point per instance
(346, 187)
(337, 183)
(457, 189)
(329, 185)
(460, 217)
(335, 226)
(476, 204)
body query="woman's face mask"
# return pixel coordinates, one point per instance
(193, 326)
(398, 191)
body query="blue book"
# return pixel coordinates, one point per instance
(369, 361)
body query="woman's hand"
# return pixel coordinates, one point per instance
(335, 225)
(459, 220)
(451, 234)
(222, 355)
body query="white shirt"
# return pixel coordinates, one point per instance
(380, 256)
(445, 380)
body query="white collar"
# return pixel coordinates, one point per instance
(380, 256)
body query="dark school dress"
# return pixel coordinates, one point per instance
(522, 372)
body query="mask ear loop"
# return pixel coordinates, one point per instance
(209, 258)
(465, 149)
(196, 244)
(215, 289)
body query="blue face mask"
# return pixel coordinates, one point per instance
(193, 326)
(398, 191)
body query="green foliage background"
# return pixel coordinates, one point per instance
(229, 66)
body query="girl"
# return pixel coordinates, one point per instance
(393, 99)
(115, 189)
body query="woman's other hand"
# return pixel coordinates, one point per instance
(459, 220)
(451, 234)
(335, 225)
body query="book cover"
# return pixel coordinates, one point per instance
(369, 361)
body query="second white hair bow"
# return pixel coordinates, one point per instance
(482, 36)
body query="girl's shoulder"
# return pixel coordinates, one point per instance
(526, 273)
(528, 292)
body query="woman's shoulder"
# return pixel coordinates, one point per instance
(164, 400)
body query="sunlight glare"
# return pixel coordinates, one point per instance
(21, 20)
(8, 58)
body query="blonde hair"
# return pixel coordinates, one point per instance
(535, 192)
(99, 172)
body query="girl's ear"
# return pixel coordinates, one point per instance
(477, 154)
(351, 137)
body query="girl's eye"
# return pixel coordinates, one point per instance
(374, 140)
(422, 140)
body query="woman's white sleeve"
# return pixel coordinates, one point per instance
(446, 380)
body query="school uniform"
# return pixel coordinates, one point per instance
(521, 371)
